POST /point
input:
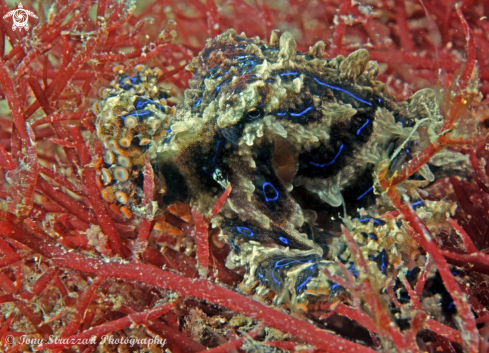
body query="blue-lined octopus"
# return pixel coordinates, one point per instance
(300, 139)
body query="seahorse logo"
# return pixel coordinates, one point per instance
(20, 17)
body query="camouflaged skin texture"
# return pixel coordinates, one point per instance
(299, 137)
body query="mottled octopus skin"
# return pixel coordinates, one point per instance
(291, 132)
(298, 137)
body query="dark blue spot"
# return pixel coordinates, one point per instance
(302, 113)
(342, 90)
(374, 237)
(245, 231)
(365, 193)
(380, 100)
(268, 199)
(360, 130)
(334, 159)
(198, 102)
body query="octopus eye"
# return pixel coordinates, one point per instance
(254, 113)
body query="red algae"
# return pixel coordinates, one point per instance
(74, 267)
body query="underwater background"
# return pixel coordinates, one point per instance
(256, 176)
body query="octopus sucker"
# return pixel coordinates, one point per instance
(298, 136)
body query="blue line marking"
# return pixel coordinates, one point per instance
(288, 73)
(213, 160)
(218, 88)
(138, 114)
(342, 90)
(334, 286)
(300, 114)
(245, 231)
(198, 102)
(334, 159)
(281, 114)
(169, 130)
(268, 199)
(417, 203)
(283, 240)
(303, 284)
(360, 130)
(365, 193)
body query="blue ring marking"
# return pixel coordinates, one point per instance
(303, 284)
(267, 199)
(342, 90)
(334, 159)
(360, 130)
(283, 240)
(134, 80)
(278, 265)
(300, 114)
(243, 231)
(288, 73)
(281, 114)
(417, 203)
(365, 193)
